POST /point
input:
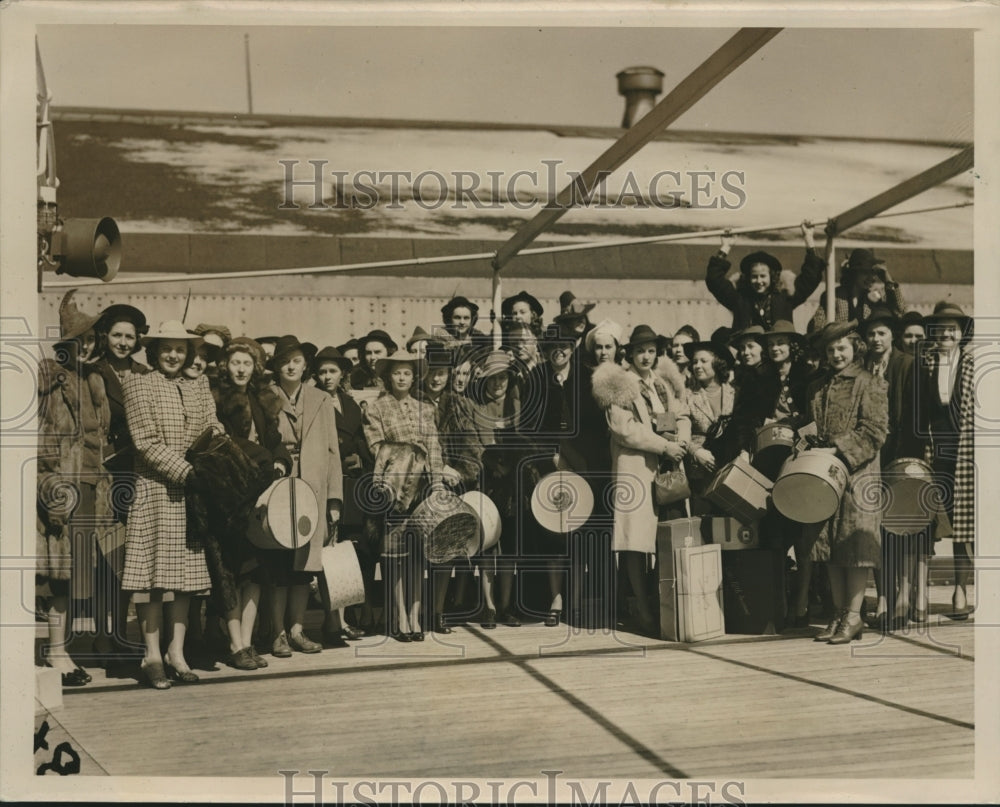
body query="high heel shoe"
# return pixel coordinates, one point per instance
(181, 676)
(552, 619)
(417, 636)
(830, 631)
(351, 633)
(399, 636)
(155, 675)
(77, 677)
(440, 626)
(851, 627)
(489, 621)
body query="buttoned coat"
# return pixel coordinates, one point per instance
(635, 452)
(851, 411)
(319, 466)
(903, 439)
(165, 416)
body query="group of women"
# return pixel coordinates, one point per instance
(378, 431)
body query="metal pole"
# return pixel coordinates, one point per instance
(831, 280)
(246, 52)
(720, 64)
(935, 175)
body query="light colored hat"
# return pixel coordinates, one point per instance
(608, 326)
(400, 356)
(171, 329)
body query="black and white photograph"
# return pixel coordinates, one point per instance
(467, 404)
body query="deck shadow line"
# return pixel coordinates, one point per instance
(840, 690)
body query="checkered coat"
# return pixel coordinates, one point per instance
(964, 515)
(165, 416)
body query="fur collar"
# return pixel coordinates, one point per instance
(612, 384)
(667, 369)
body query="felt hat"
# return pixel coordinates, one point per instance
(911, 318)
(458, 302)
(399, 357)
(833, 331)
(72, 321)
(946, 310)
(122, 312)
(331, 354)
(244, 344)
(751, 260)
(642, 334)
(755, 332)
(881, 314)
(419, 335)
(714, 346)
(286, 346)
(378, 336)
(496, 361)
(507, 306)
(783, 327)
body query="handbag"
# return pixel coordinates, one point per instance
(670, 483)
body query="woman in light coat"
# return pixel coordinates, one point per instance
(648, 420)
(308, 426)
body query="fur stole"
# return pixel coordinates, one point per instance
(612, 384)
(667, 369)
(233, 405)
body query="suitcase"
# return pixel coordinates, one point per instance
(670, 536)
(699, 592)
(730, 534)
(740, 491)
(753, 585)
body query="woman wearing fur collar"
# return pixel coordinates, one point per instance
(648, 419)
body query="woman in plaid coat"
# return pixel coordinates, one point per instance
(166, 413)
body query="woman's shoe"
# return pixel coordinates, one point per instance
(830, 631)
(509, 618)
(489, 620)
(76, 678)
(417, 635)
(552, 619)
(243, 660)
(156, 675)
(851, 627)
(280, 648)
(303, 643)
(257, 659)
(181, 676)
(399, 636)
(440, 626)
(959, 605)
(352, 634)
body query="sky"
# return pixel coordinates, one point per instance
(899, 83)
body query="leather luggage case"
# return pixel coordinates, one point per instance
(753, 585)
(731, 534)
(740, 491)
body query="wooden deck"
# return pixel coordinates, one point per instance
(515, 701)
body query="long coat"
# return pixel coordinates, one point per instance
(319, 465)
(165, 417)
(73, 417)
(903, 439)
(963, 520)
(635, 452)
(851, 411)
(766, 310)
(351, 440)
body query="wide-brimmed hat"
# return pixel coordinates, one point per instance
(642, 334)
(399, 357)
(831, 332)
(72, 321)
(755, 332)
(350, 344)
(172, 329)
(122, 312)
(608, 326)
(880, 314)
(286, 346)
(751, 260)
(378, 336)
(714, 346)
(507, 306)
(331, 354)
(495, 362)
(458, 302)
(862, 261)
(419, 335)
(783, 327)
(947, 310)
